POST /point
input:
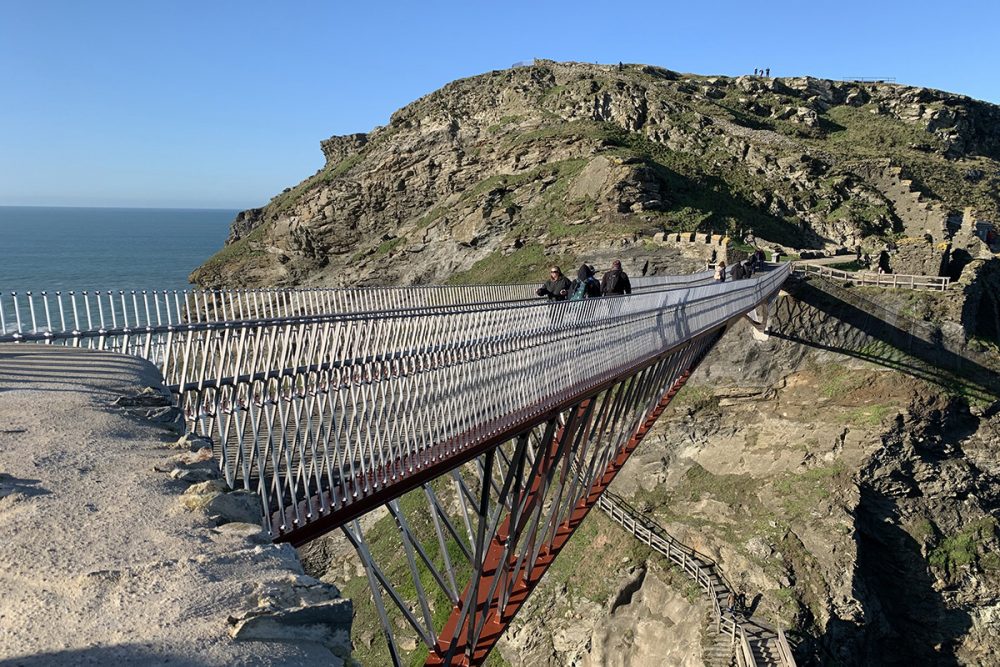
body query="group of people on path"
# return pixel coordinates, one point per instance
(741, 270)
(585, 286)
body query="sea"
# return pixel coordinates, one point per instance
(67, 248)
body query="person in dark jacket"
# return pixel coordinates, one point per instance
(585, 286)
(615, 281)
(557, 287)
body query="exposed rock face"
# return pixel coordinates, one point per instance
(859, 502)
(504, 172)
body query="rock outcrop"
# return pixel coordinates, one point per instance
(504, 172)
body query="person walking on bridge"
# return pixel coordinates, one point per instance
(720, 271)
(737, 272)
(557, 287)
(585, 286)
(615, 281)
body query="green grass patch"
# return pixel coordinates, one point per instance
(869, 415)
(837, 380)
(694, 398)
(431, 217)
(801, 494)
(237, 253)
(503, 123)
(734, 490)
(859, 131)
(965, 547)
(386, 247)
(921, 529)
(525, 265)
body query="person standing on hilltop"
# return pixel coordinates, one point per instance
(557, 287)
(615, 281)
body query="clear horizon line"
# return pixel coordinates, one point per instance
(136, 208)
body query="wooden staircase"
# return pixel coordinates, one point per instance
(730, 640)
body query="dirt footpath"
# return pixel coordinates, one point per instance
(101, 559)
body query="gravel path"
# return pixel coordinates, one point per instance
(100, 563)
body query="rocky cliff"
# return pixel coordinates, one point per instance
(493, 176)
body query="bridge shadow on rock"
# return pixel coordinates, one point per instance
(906, 621)
(820, 310)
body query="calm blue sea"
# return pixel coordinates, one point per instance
(52, 249)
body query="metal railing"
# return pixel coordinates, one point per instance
(699, 568)
(298, 407)
(77, 316)
(868, 79)
(897, 280)
(74, 314)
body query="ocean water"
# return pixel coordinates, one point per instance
(44, 248)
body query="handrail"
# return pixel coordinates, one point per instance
(745, 651)
(784, 650)
(79, 314)
(653, 535)
(925, 332)
(895, 280)
(193, 352)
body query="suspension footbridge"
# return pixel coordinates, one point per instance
(486, 421)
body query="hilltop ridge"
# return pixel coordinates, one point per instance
(490, 177)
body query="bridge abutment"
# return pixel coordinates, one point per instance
(101, 564)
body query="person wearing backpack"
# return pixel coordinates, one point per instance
(585, 285)
(578, 288)
(593, 284)
(615, 281)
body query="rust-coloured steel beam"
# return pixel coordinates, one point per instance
(500, 564)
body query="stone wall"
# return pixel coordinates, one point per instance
(705, 247)
(918, 256)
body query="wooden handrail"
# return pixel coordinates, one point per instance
(699, 569)
(896, 280)
(784, 650)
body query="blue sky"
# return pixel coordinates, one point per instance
(222, 104)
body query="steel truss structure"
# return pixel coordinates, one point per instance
(330, 413)
(515, 509)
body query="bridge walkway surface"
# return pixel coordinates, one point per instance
(99, 562)
(508, 420)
